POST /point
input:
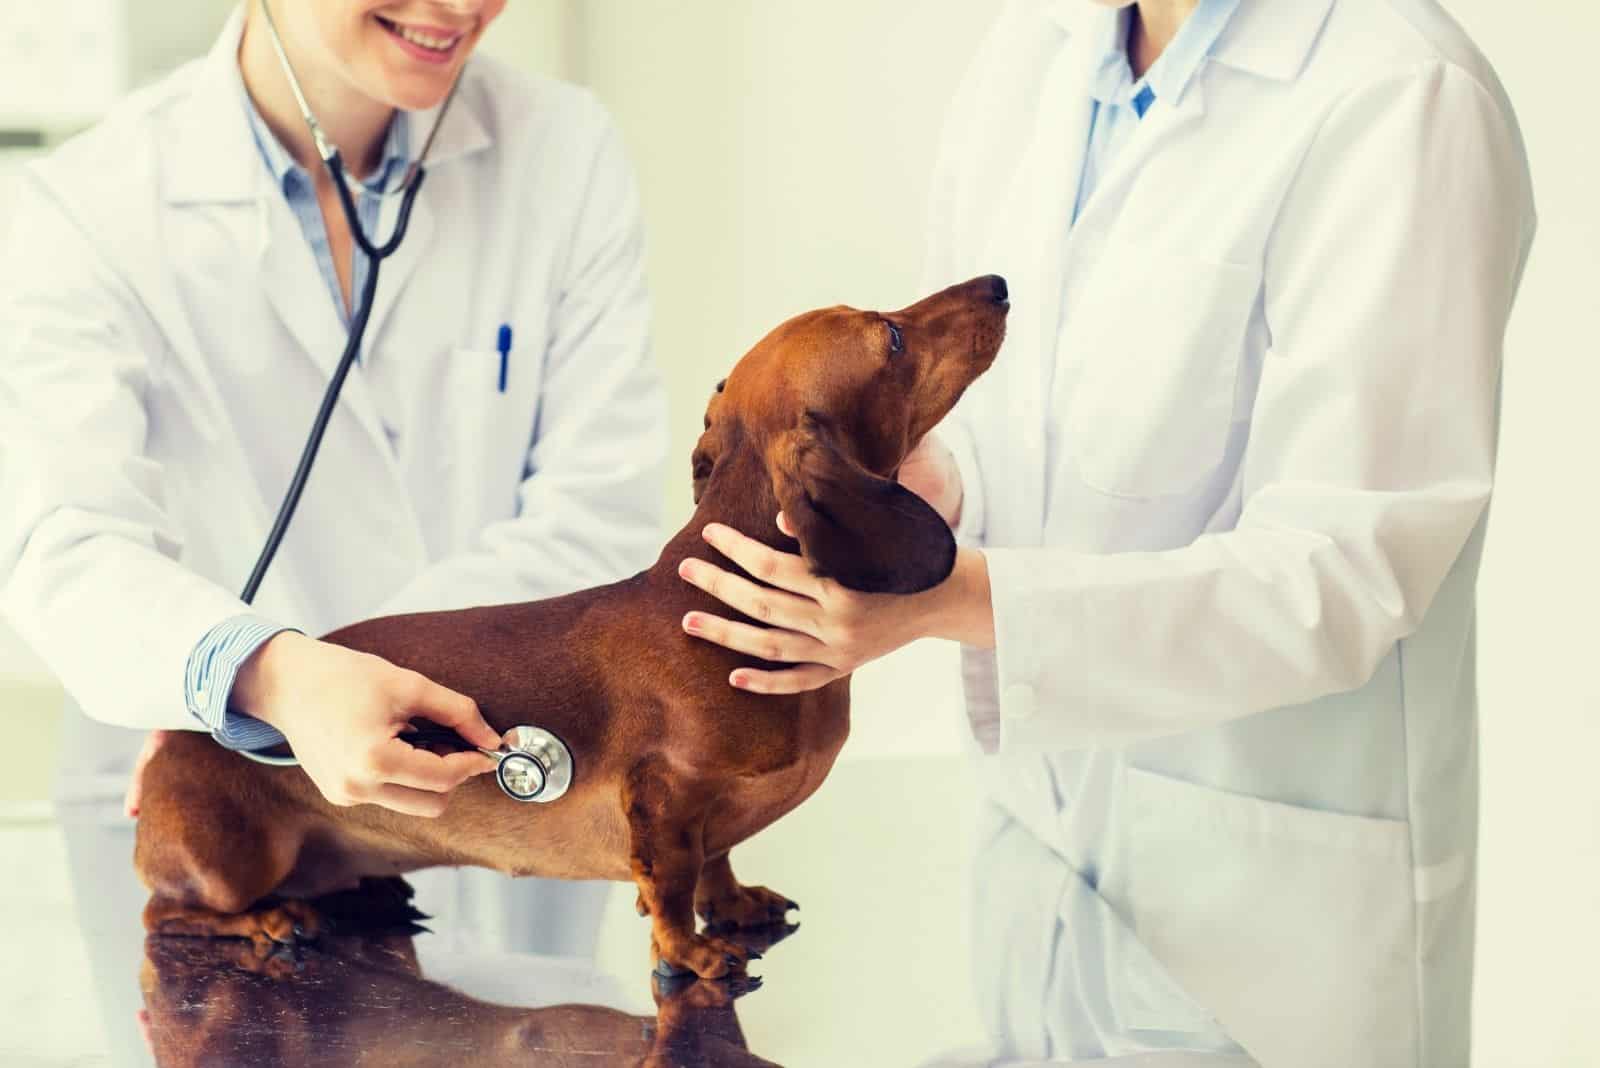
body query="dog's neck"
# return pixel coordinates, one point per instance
(737, 494)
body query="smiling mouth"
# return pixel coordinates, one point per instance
(436, 42)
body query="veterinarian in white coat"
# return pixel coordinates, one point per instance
(167, 332)
(1228, 479)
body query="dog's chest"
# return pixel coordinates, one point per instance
(755, 802)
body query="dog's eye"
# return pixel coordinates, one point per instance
(897, 340)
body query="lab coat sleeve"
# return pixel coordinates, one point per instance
(589, 508)
(1388, 280)
(89, 571)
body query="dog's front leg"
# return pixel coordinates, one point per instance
(666, 818)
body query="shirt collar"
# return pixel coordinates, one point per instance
(1112, 82)
(210, 151)
(283, 167)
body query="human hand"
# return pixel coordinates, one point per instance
(930, 471)
(343, 711)
(130, 800)
(822, 628)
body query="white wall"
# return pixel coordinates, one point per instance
(1539, 925)
(783, 148)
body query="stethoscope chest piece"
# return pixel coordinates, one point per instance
(533, 765)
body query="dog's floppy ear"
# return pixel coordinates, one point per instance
(865, 532)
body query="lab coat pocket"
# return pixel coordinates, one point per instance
(488, 433)
(1156, 340)
(1292, 926)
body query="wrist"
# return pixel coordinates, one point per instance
(260, 678)
(959, 608)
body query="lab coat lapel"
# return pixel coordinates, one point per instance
(214, 163)
(293, 284)
(1029, 244)
(461, 133)
(1160, 126)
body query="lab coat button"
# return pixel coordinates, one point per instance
(1019, 701)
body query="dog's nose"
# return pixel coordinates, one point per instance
(997, 289)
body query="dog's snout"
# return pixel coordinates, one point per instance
(998, 292)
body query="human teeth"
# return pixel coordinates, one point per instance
(438, 44)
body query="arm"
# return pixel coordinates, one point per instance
(589, 509)
(88, 555)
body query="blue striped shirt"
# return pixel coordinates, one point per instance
(217, 657)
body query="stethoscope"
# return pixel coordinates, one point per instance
(531, 764)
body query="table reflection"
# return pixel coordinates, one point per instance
(363, 1000)
(881, 976)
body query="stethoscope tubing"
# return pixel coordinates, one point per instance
(535, 749)
(347, 359)
(376, 254)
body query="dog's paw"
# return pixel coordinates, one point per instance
(707, 956)
(288, 923)
(744, 907)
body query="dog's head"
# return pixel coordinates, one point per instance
(831, 402)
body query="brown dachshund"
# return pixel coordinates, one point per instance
(674, 767)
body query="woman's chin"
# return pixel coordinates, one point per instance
(414, 91)
(416, 98)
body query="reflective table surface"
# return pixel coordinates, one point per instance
(878, 973)
(358, 1000)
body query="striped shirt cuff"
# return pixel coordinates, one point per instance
(208, 681)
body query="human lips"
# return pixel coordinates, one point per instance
(433, 43)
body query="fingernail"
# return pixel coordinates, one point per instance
(691, 623)
(684, 569)
(711, 532)
(739, 680)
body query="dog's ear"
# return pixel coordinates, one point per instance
(709, 447)
(702, 461)
(865, 532)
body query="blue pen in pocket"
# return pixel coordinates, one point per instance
(503, 344)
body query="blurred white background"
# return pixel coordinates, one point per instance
(783, 148)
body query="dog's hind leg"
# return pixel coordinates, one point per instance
(665, 823)
(725, 905)
(213, 861)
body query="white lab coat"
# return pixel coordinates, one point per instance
(165, 339)
(1231, 471)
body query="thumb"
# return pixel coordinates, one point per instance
(458, 712)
